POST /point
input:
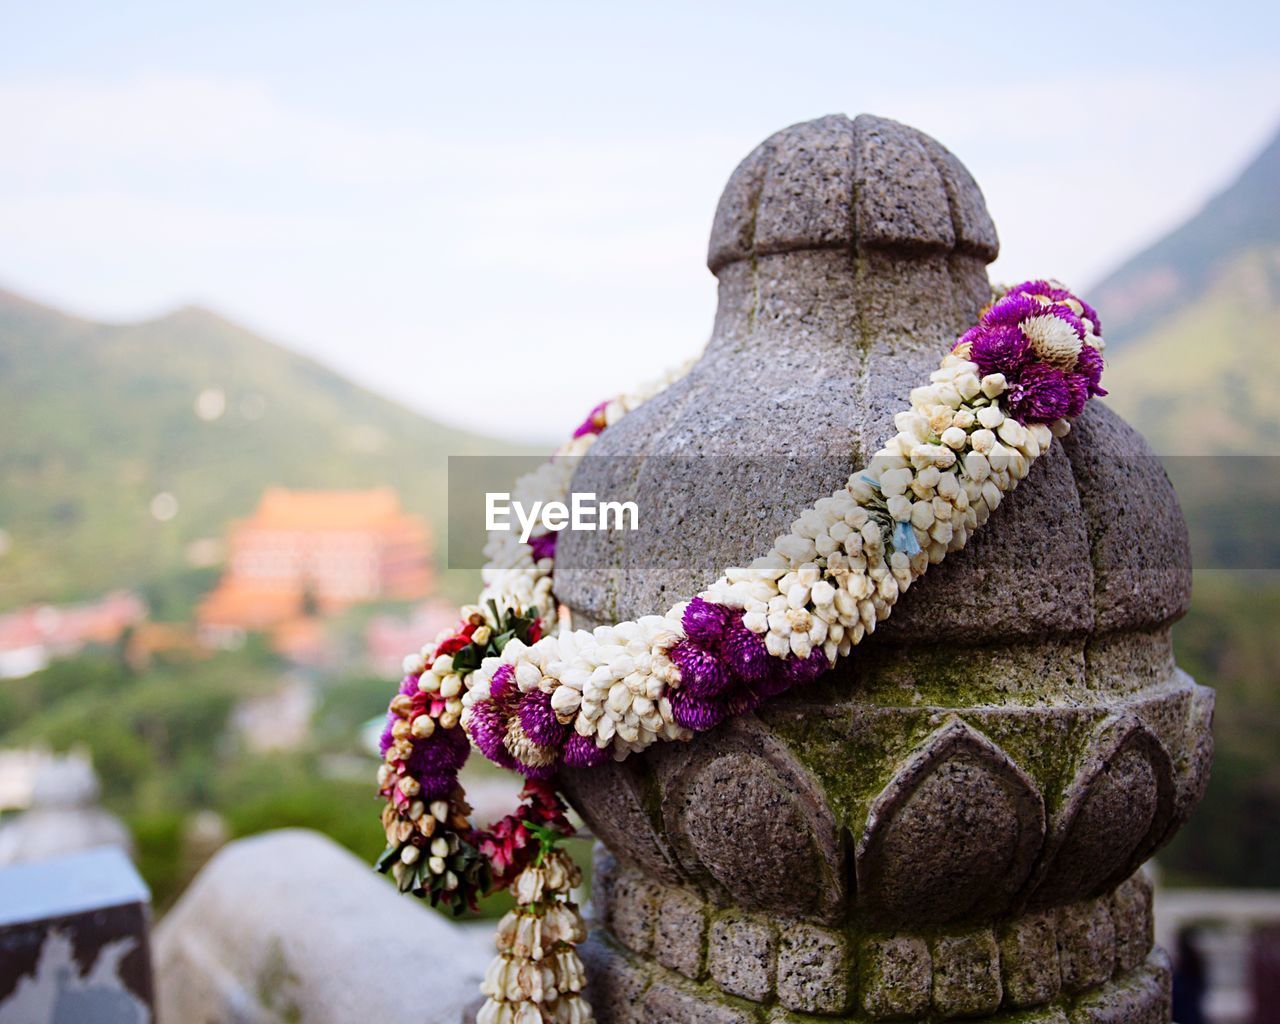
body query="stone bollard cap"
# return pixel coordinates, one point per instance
(837, 183)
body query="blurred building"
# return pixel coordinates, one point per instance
(308, 552)
(388, 638)
(34, 636)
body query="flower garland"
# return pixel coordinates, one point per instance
(534, 696)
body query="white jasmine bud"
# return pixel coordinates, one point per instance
(976, 466)
(922, 514)
(429, 682)
(1012, 432)
(990, 417)
(955, 438)
(993, 385)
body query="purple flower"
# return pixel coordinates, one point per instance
(1011, 310)
(436, 785)
(445, 751)
(582, 752)
(704, 623)
(746, 655)
(386, 739)
(488, 729)
(543, 545)
(1058, 295)
(805, 670)
(1092, 314)
(1089, 364)
(744, 700)
(536, 771)
(1040, 288)
(1041, 394)
(503, 683)
(1000, 349)
(703, 674)
(1078, 387)
(594, 423)
(539, 720)
(691, 712)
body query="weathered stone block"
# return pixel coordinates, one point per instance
(966, 974)
(1131, 915)
(632, 909)
(897, 977)
(615, 987)
(1029, 960)
(666, 1001)
(680, 940)
(1086, 945)
(742, 956)
(1140, 998)
(814, 970)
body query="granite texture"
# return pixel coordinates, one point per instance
(949, 823)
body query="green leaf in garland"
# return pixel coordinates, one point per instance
(468, 659)
(389, 856)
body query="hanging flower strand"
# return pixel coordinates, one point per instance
(534, 697)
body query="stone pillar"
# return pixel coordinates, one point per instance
(951, 823)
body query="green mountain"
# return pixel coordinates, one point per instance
(1185, 265)
(97, 419)
(1193, 325)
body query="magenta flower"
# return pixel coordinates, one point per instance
(436, 785)
(582, 752)
(543, 546)
(1011, 310)
(703, 674)
(539, 720)
(705, 622)
(744, 700)
(594, 423)
(445, 751)
(746, 655)
(1000, 349)
(1041, 394)
(805, 670)
(536, 771)
(694, 713)
(488, 730)
(1078, 388)
(1089, 364)
(503, 684)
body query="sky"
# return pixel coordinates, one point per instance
(497, 213)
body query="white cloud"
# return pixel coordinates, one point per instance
(571, 256)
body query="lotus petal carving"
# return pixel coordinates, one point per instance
(1115, 811)
(954, 834)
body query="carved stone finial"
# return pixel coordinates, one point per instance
(948, 824)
